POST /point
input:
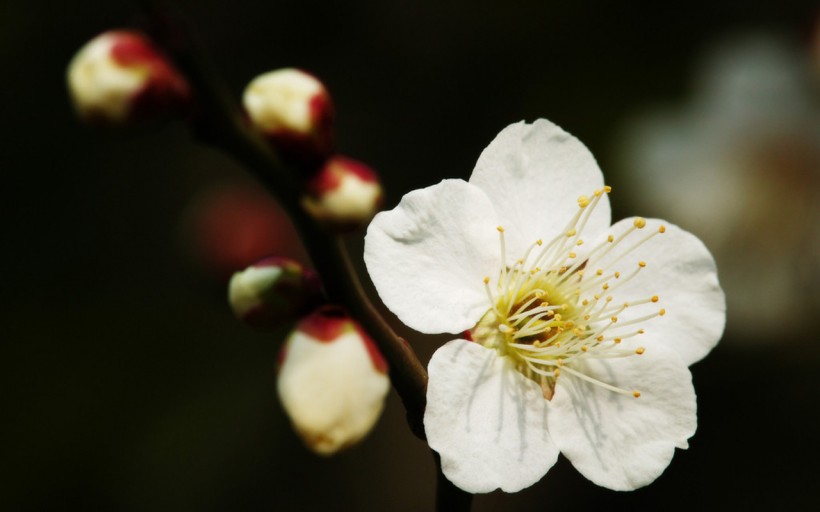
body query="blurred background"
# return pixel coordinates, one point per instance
(128, 385)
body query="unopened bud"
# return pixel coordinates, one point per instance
(272, 291)
(294, 111)
(343, 194)
(119, 76)
(332, 381)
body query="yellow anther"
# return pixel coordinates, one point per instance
(487, 280)
(636, 394)
(605, 286)
(597, 297)
(578, 291)
(579, 242)
(586, 317)
(572, 232)
(569, 324)
(557, 317)
(559, 362)
(642, 264)
(617, 340)
(662, 312)
(538, 294)
(598, 193)
(564, 307)
(599, 272)
(607, 189)
(584, 348)
(600, 338)
(550, 313)
(572, 255)
(641, 331)
(583, 201)
(520, 262)
(557, 372)
(578, 331)
(500, 229)
(617, 275)
(626, 304)
(662, 229)
(545, 303)
(655, 298)
(639, 223)
(609, 298)
(614, 319)
(585, 302)
(539, 242)
(640, 350)
(610, 239)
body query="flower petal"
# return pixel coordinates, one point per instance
(619, 441)
(534, 174)
(428, 256)
(486, 420)
(682, 273)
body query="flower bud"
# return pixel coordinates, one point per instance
(344, 193)
(272, 291)
(119, 76)
(293, 110)
(332, 381)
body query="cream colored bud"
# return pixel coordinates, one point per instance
(332, 381)
(344, 194)
(119, 76)
(294, 111)
(272, 291)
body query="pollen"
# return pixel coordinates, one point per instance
(607, 189)
(662, 229)
(636, 394)
(584, 313)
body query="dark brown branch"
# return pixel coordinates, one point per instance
(217, 120)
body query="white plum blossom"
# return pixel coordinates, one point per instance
(578, 334)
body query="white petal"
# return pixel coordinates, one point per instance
(534, 174)
(619, 441)
(487, 421)
(682, 273)
(429, 255)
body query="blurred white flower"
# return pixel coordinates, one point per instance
(332, 381)
(580, 332)
(739, 165)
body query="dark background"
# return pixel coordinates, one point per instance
(127, 384)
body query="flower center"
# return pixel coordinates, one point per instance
(552, 308)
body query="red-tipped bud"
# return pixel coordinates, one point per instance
(273, 291)
(332, 381)
(119, 76)
(343, 194)
(294, 111)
